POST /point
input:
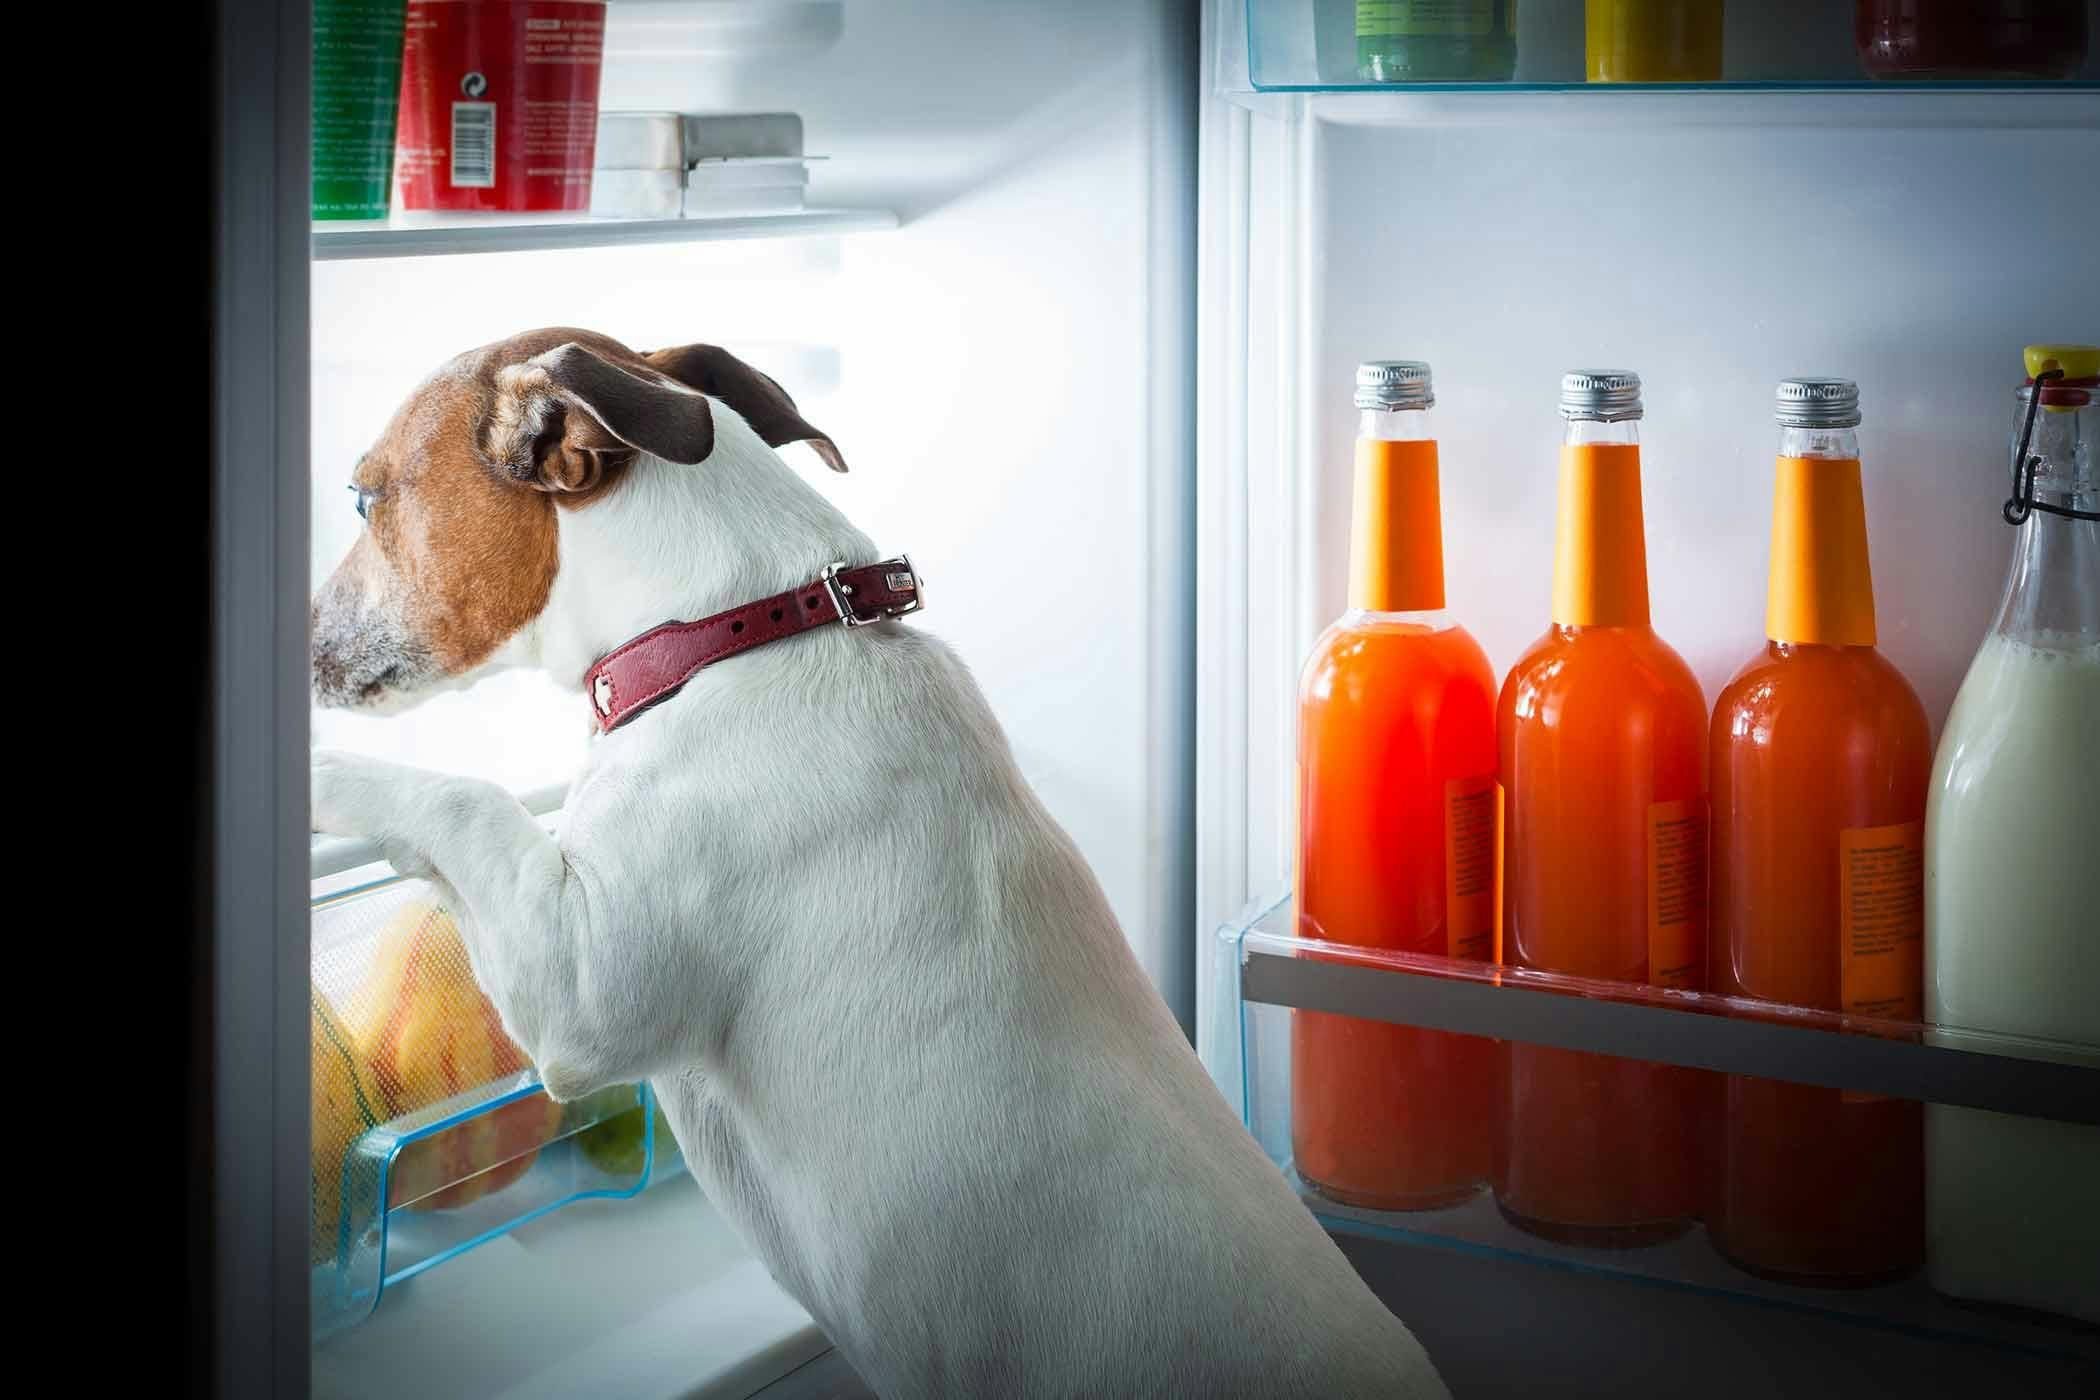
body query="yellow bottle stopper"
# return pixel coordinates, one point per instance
(2076, 361)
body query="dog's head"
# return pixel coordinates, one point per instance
(460, 495)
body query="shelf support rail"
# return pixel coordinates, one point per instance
(2002, 1083)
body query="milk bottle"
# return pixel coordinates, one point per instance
(2012, 875)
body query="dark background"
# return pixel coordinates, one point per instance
(110, 433)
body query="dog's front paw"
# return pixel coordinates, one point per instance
(353, 795)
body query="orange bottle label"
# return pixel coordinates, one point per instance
(1822, 589)
(1600, 551)
(1882, 893)
(1677, 894)
(1298, 891)
(1501, 863)
(1396, 551)
(1472, 863)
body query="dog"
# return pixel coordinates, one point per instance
(809, 897)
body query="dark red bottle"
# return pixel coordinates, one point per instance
(1970, 38)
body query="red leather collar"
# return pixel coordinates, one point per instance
(636, 675)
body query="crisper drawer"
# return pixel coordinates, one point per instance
(431, 1131)
(1917, 1177)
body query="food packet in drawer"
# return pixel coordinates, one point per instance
(413, 1030)
(345, 1104)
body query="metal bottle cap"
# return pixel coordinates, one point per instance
(1817, 402)
(1391, 384)
(1607, 395)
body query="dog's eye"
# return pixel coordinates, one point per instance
(364, 501)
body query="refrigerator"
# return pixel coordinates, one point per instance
(1080, 291)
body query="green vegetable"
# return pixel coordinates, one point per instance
(616, 1145)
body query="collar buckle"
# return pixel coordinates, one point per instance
(898, 576)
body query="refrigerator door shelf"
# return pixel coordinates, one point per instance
(431, 1136)
(1279, 46)
(1787, 1059)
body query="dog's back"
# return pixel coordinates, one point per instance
(991, 1163)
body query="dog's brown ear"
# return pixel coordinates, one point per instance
(763, 403)
(569, 419)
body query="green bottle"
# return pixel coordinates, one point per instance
(1436, 41)
(357, 90)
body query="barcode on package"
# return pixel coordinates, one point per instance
(473, 145)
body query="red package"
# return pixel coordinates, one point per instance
(499, 104)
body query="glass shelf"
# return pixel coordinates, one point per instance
(427, 235)
(1729, 1059)
(1310, 46)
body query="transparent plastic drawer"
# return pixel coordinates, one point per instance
(431, 1132)
(1926, 1178)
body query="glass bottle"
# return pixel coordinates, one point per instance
(1602, 736)
(1820, 756)
(1971, 39)
(1448, 41)
(2012, 882)
(1396, 830)
(1652, 41)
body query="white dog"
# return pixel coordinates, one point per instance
(809, 897)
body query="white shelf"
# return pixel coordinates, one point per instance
(429, 235)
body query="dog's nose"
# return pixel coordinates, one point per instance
(328, 668)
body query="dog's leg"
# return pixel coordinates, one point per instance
(521, 908)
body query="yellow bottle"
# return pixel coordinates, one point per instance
(1653, 41)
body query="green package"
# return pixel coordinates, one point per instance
(357, 91)
(1449, 41)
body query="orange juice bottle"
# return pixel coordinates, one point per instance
(1396, 831)
(1821, 761)
(1603, 763)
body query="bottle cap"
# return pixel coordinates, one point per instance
(2080, 365)
(1607, 395)
(2076, 361)
(1393, 384)
(1817, 402)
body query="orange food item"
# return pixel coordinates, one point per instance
(345, 1103)
(1396, 849)
(1602, 734)
(1821, 760)
(424, 1032)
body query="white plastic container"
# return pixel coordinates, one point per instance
(638, 194)
(640, 141)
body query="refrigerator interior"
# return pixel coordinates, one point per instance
(1003, 357)
(1030, 381)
